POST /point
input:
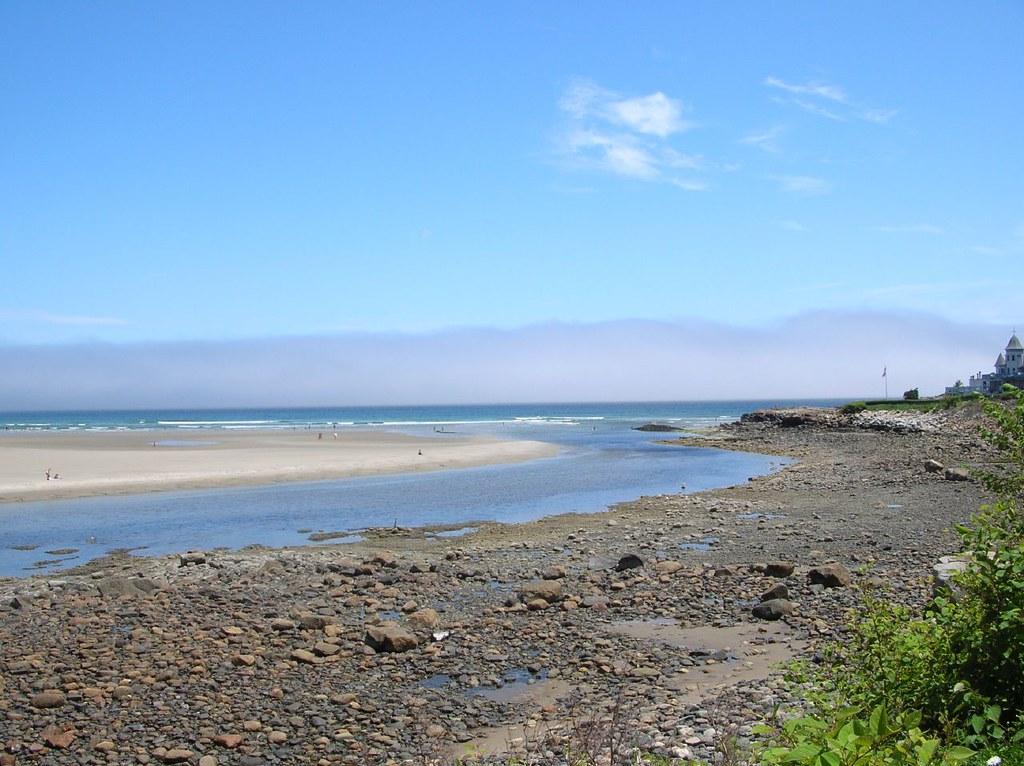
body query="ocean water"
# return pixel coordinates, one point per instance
(602, 461)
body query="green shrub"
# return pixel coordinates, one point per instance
(853, 408)
(854, 740)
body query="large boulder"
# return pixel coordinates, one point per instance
(774, 609)
(390, 637)
(118, 587)
(830, 575)
(548, 590)
(781, 569)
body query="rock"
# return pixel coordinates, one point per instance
(424, 618)
(305, 656)
(390, 637)
(313, 621)
(775, 609)
(58, 737)
(176, 755)
(943, 573)
(281, 624)
(776, 591)
(549, 590)
(781, 569)
(277, 737)
(830, 575)
(192, 558)
(117, 587)
(668, 567)
(104, 746)
(435, 730)
(554, 573)
(933, 466)
(656, 428)
(230, 741)
(50, 698)
(208, 760)
(956, 474)
(243, 660)
(629, 561)
(324, 649)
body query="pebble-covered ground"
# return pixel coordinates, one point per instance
(408, 648)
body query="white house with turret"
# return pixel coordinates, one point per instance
(1009, 368)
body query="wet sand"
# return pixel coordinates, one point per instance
(128, 462)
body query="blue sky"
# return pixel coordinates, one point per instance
(213, 171)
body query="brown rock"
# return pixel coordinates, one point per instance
(175, 755)
(549, 590)
(244, 660)
(390, 637)
(668, 567)
(306, 656)
(230, 741)
(830, 575)
(59, 737)
(424, 618)
(778, 569)
(50, 698)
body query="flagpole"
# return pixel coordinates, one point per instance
(885, 378)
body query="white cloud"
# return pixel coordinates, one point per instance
(911, 228)
(615, 153)
(825, 100)
(803, 184)
(816, 89)
(792, 226)
(626, 136)
(46, 317)
(656, 114)
(766, 140)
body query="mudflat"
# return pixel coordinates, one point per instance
(410, 648)
(81, 464)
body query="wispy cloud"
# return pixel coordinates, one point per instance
(766, 140)
(46, 317)
(655, 114)
(911, 228)
(817, 89)
(826, 100)
(803, 184)
(627, 136)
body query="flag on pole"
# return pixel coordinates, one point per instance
(884, 369)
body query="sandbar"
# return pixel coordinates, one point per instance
(131, 462)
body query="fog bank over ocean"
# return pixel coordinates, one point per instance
(819, 354)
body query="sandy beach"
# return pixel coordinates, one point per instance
(126, 462)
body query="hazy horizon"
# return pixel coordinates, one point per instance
(827, 355)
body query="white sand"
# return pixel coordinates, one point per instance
(126, 462)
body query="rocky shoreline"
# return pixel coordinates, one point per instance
(406, 648)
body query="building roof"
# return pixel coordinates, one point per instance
(1014, 344)
(1000, 360)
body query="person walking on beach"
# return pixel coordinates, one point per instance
(47, 474)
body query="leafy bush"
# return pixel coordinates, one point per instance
(912, 395)
(957, 671)
(851, 739)
(853, 408)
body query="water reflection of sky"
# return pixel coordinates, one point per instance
(602, 463)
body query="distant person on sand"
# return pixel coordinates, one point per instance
(319, 436)
(47, 474)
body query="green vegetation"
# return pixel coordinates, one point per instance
(910, 405)
(944, 686)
